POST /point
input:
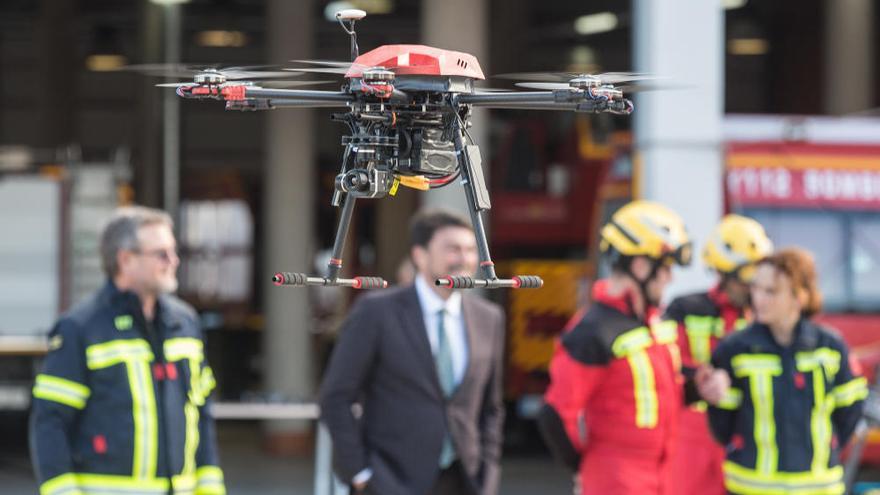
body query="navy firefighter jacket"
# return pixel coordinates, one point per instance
(121, 405)
(789, 412)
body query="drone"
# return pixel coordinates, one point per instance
(407, 109)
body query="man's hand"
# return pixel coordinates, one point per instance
(360, 481)
(712, 384)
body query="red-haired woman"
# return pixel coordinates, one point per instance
(794, 399)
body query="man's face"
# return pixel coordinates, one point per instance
(451, 251)
(641, 268)
(773, 299)
(152, 268)
(737, 291)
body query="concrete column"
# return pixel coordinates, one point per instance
(56, 37)
(148, 158)
(849, 55)
(678, 132)
(460, 25)
(288, 231)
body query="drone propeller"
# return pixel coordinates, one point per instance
(565, 77)
(234, 73)
(263, 84)
(627, 88)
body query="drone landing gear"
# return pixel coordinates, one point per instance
(477, 197)
(332, 279)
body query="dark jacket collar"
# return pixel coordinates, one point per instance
(126, 301)
(806, 335)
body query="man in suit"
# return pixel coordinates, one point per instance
(425, 365)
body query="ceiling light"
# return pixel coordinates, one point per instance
(221, 39)
(747, 46)
(105, 62)
(595, 23)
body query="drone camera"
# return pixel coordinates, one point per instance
(365, 183)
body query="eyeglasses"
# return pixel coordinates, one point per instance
(163, 255)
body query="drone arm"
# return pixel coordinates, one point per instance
(291, 103)
(533, 97)
(576, 101)
(299, 94)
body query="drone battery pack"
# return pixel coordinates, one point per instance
(475, 162)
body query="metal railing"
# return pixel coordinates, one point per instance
(325, 483)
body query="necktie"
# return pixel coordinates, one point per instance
(443, 361)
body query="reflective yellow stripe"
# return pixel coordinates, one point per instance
(828, 359)
(760, 370)
(61, 390)
(104, 484)
(190, 349)
(644, 389)
(732, 399)
(191, 440)
(210, 481)
(632, 341)
(208, 381)
(850, 392)
(820, 423)
(201, 382)
(665, 332)
(739, 479)
(104, 355)
(184, 484)
(821, 363)
(61, 485)
(699, 331)
(632, 345)
(136, 355)
(183, 348)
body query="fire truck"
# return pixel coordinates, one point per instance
(811, 181)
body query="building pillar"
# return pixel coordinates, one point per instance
(289, 183)
(460, 25)
(849, 56)
(678, 132)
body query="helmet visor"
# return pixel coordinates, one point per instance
(682, 256)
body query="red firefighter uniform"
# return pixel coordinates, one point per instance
(702, 320)
(617, 390)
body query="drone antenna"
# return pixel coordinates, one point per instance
(351, 16)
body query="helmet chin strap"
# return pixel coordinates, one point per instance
(643, 284)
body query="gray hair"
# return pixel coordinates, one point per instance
(121, 232)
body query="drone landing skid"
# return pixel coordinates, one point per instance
(302, 280)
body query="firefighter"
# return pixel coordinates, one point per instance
(791, 398)
(611, 408)
(702, 319)
(121, 405)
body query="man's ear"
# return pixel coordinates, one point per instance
(418, 255)
(124, 258)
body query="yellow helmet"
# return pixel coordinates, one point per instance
(645, 228)
(735, 245)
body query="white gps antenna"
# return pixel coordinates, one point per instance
(351, 16)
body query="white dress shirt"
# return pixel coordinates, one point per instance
(453, 324)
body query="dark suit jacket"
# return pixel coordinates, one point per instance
(383, 361)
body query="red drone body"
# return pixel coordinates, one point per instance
(417, 60)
